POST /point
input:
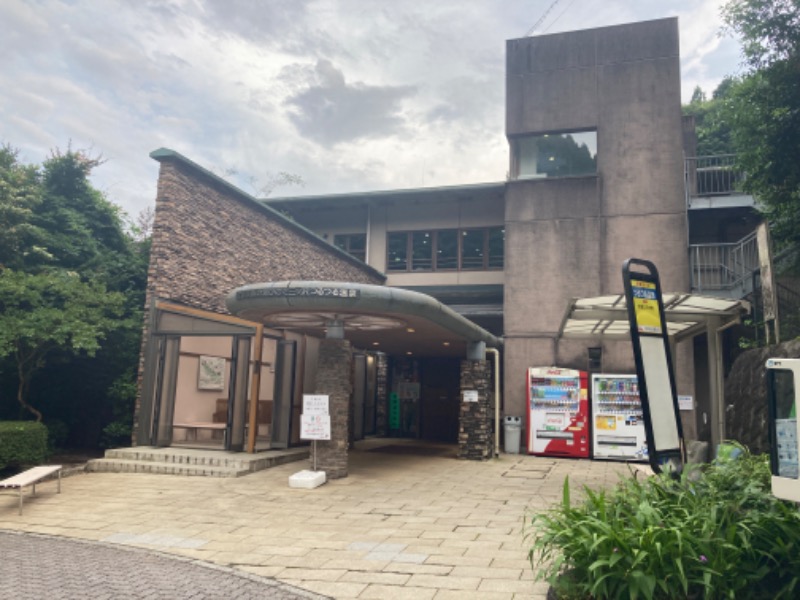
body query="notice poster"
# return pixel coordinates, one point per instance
(315, 427)
(645, 306)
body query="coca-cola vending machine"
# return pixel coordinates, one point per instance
(558, 412)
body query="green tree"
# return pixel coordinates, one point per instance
(51, 311)
(712, 121)
(764, 107)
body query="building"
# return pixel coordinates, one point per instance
(415, 284)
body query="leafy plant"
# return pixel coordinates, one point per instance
(22, 443)
(716, 532)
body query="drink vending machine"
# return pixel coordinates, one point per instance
(558, 412)
(618, 419)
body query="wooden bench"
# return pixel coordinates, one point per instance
(31, 477)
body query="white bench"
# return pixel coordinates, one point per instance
(194, 426)
(31, 477)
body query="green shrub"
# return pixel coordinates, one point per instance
(116, 434)
(22, 443)
(715, 533)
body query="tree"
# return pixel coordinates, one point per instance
(712, 121)
(48, 311)
(764, 108)
(20, 195)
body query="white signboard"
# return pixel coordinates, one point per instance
(686, 402)
(315, 427)
(470, 395)
(315, 404)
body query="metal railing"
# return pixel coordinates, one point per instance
(724, 267)
(712, 176)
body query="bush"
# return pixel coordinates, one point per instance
(116, 435)
(715, 533)
(22, 443)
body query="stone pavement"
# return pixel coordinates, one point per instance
(410, 521)
(39, 566)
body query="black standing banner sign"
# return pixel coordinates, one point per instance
(651, 352)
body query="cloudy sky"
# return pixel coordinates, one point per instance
(351, 95)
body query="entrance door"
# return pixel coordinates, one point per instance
(359, 391)
(285, 354)
(440, 396)
(237, 393)
(166, 383)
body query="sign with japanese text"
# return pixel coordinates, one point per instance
(645, 305)
(315, 404)
(315, 427)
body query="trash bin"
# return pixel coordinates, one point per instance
(512, 428)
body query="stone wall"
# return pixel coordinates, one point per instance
(746, 413)
(475, 436)
(335, 361)
(209, 238)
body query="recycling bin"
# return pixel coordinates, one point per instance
(512, 428)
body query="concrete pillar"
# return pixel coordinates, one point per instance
(475, 437)
(334, 368)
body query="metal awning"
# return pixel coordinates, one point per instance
(687, 315)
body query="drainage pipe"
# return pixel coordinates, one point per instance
(496, 354)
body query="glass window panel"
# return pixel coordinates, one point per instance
(422, 250)
(496, 248)
(358, 241)
(556, 155)
(472, 249)
(340, 241)
(447, 249)
(397, 252)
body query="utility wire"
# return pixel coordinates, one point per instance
(561, 14)
(541, 19)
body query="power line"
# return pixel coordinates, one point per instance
(541, 19)
(561, 14)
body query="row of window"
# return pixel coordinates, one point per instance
(437, 250)
(445, 250)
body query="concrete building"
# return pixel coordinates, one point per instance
(593, 120)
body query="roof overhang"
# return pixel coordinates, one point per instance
(687, 315)
(374, 317)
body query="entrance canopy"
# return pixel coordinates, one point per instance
(372, 317)
(688, 315)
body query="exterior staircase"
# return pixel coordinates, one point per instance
(190, 461)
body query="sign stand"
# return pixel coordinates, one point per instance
(651, 352)
(315, 424)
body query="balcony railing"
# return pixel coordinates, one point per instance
(712, 176)
(724, 268)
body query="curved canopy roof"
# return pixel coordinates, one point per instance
(388, 319)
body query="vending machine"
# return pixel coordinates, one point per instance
(618, 420)
(558, 412)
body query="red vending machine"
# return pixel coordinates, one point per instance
(558, 412)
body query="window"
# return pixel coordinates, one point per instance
(555, 155)
(446, 250)
(397, 252)
(355, 244)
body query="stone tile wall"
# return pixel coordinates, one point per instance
(334, 363)
(475, 436)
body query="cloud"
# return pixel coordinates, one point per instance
(330, 111)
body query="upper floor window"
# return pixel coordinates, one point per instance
(355, 244)
(445, 250)
(555, 155)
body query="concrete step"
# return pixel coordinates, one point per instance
(189, 461)
(110, 465)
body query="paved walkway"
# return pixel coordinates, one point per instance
(402, 525)
(42, 566)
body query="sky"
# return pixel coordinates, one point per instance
(349, 95)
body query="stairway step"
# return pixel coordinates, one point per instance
(108, 465)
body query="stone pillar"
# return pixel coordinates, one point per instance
(333, 378)
(475, 441)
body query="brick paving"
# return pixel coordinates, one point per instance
(43, 566)
(401, 525)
